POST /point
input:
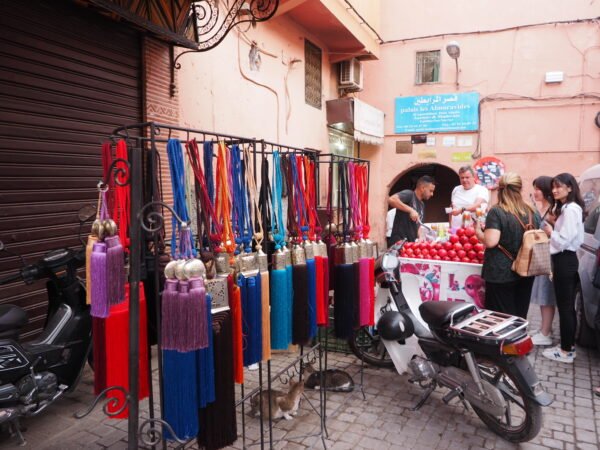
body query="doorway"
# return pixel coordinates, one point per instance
(446, 180)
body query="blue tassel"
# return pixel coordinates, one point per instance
(280, 310)
(180, 393)
(251, 319)
(312, 297)
(206, 365)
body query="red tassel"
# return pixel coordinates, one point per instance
(99, 354)
(326, 282)
(321, 305)
(235, 304)
(372, 291)
(364, 293)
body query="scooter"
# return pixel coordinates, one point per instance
(36, 373)
(480, 356)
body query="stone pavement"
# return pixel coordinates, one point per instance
(380, 421)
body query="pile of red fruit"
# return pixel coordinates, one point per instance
(460, 247)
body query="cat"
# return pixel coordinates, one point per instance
(333, 379)
(282, 404)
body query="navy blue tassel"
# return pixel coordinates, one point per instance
(300, 322)
(206, 364)
(312, 297)
(251, 318)
(343, 308)
(180, 393)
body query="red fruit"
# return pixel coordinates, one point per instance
(442, 252)
(478, 247)
(464, 239)
(454, 238)
(480, 255)
(456, 259)
(437, 258)
(461, 254)
(452, 253)
(460, 232)
(465, 259)
(425, 253)
(438, 246)
(446, 258)
(472, 254)
(470, 231)
(458, 246)
(448, 245)
(473, 240)
(467, 246)
(409, 245)
(433, 252)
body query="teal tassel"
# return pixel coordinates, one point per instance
(280, 310)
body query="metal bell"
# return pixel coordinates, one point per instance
(110, 227)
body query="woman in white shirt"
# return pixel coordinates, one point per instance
(565, 239)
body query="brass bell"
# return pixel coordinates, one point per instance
(98, 229)
(110, 227)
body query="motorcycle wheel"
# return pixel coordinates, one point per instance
(367, 345)
(523, 418)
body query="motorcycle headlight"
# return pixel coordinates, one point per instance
(389, 262)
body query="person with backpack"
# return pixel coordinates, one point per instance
(565, 238)
(506, 291)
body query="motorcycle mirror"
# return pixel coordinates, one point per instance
(389, 262)
(86, 213)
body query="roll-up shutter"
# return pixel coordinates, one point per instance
(68, 77)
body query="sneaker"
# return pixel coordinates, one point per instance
(557, 354)
(541, 339)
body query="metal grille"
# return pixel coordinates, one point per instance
(312, 74)
(428, 67)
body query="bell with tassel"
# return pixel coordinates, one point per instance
(344, 291)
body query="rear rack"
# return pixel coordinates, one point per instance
(491, 325)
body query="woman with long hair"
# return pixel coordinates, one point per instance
(543, 290)
(505, 290)
(565, 238)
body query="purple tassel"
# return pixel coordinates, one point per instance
(196, 317)
(115, 275)
(168, 325)
(180, 333)
(98, 268)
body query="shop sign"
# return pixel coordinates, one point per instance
(368, 123)
(461, 157)
(437, 113)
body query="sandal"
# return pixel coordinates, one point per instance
(596, 391)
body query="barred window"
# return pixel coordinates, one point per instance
(312, 74)
(428, 67)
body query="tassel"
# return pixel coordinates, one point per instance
(196, 317)
(266, 319)
(115, 275)
(372, 291)
(312, 297)
(300, 330)
(182, 336)
(365, 291)
(319, 300)
(218, 423)
(88, 275)
(280, 310)
(326, 284)
(235, 304)
(289, 271)
(343, 300)
(99, 355)
(99, 298)
(180, 388)
(251, 325)
(206, 363)
(356, 295)
(168, 314)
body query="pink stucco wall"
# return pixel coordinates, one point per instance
(532, 136)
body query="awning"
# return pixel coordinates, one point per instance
(363, 121)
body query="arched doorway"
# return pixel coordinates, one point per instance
(445, 178)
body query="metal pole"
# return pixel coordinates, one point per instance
(134, 296)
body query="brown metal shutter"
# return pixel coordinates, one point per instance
(68, 76)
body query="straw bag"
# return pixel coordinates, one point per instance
(533, 257)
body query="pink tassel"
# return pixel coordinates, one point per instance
(169, 302)
(365, 292)
(326, 282)
(372, 291)
(196, 323)
(181, 310)
(98, 269)
(115, 275)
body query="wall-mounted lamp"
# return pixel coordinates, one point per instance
(453, 50)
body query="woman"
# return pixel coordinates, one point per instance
(543, 291)
(505, 290)
(565, 239)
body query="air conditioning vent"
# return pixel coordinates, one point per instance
(351, 76)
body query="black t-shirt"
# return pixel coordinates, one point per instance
(404, 228)
(496, 265)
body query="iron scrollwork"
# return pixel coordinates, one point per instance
(154, 221)
(113, 403)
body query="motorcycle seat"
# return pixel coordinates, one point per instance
(12, 317)
(439, 314)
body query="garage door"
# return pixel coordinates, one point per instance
(68, 76)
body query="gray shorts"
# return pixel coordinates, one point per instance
(543, 291)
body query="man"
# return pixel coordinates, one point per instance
(467, 197)
(410, 209)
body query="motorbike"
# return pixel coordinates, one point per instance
(479, 355)
(36, 373)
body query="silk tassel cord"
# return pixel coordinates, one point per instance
(191, 199)
(315, 278)
(345, 275)
(256, 218)
(281, 306)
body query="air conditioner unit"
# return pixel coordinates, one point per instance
(351, 76)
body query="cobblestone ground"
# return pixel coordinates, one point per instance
(380, 421)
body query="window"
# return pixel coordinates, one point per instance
(428, 67)
(312, 74)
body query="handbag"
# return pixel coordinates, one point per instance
(533, 257)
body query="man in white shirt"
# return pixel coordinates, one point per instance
(467, 197)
